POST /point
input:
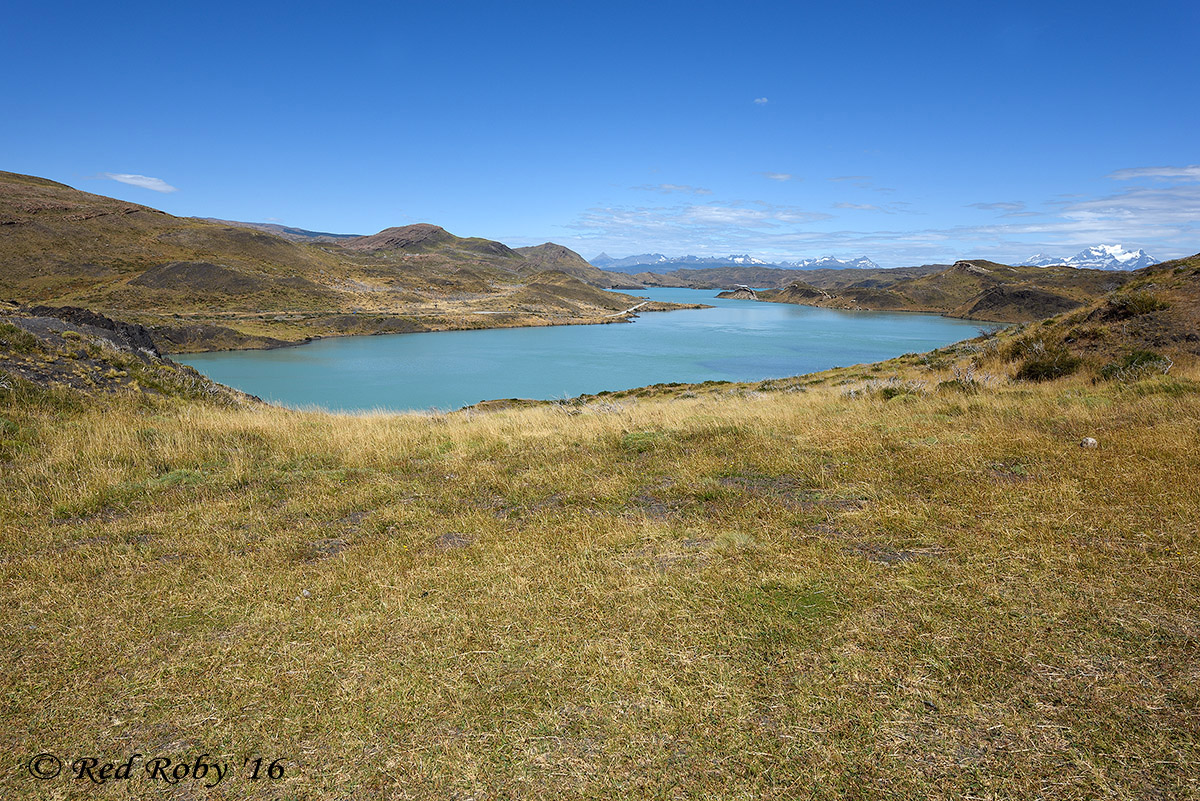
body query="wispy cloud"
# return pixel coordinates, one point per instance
(1162, 217)
(1007, 209)
(1011, 205)
(143, 181)
(859, 181)
(668, 189)
(1142, 206)
(752, 215)
(1189, 173)
(778, 176)
(691, 227)
(761, 101)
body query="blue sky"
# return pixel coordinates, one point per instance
(909, 133)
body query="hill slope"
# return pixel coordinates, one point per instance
(550, 256)
(1141, 329)
(776, 278)
(974, 289)
(200, 284)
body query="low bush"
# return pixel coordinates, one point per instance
(1047, 362)
(1135, 303)
(1136, 364)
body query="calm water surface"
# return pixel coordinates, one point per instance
(739, 340)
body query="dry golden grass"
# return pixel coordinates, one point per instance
(742, 594)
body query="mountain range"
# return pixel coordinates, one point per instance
(640, 263)
(1097, 257)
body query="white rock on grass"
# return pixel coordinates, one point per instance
(1089, 443)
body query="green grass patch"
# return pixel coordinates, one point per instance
(17, 339)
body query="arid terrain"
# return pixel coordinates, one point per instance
(209, 285)
(967, 573)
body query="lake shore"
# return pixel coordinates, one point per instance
(727, 340)
(271, 331)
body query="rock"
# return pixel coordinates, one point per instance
(129, 335)
(452, 540)
(1089, 443)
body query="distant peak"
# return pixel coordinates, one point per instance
(414, 230)
(1097, 257)
(402, 237)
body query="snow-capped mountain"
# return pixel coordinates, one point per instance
(659, 262)
(656, 262)
(743, 259)
(1098, 257)
(607, 262)
(830, 263)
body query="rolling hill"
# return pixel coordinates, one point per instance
(973, 289)
(201, 284)
(724, 277)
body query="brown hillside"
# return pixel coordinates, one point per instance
(550, 256)
(199, 284)
(418, 238)
(975, 289)
(1158, 310)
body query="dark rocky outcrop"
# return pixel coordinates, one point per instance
(131, 335)
(741, 293)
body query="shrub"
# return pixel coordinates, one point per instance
(990, 330)
(890, 388)
(1047, 362)
(1135, 303)
(965, 380)
(1136, 364)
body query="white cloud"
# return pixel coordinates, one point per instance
(778, 176)
(1162, 218)
(668, 189)
(691, 228)
(144, 181)
(1010, 206)
(762, 101)
(1142, 207)
(1188, 173)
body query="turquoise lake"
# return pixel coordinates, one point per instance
(738, 340)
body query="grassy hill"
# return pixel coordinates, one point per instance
(974, 289)
(902, 580)
(1138, 329)
(285, 231)
(201, 284)
(775, 277)
(550, 256)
